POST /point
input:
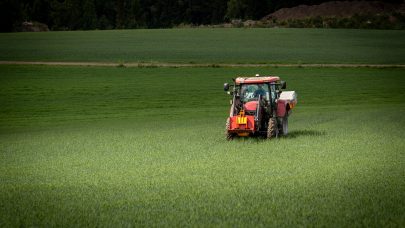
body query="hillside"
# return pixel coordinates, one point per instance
(338, 9)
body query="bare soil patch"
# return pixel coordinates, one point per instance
(338, 9)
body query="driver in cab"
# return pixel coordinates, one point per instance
(260, 91)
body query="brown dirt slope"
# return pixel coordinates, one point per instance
(338, 9)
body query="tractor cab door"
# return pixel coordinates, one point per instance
(273, 97)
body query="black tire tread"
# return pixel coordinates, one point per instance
(272, 130)
(229, 136)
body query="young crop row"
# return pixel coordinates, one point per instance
(102, 146)
(208, 46)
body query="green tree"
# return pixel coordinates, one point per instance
(120, 16)
(236, 9)
(256, 9)
(133, 14)
(74, 14)
(89, 17)
(10, 14)
(106, 14)
(41, 11)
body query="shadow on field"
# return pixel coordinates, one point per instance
(295, 134)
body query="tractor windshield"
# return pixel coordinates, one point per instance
(250, 92)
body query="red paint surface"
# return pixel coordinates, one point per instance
(256, 80)
(251, 105)
(281, 108)
(249, 127)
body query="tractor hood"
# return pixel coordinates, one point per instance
(251, 106)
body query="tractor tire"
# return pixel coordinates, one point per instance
(284, 126)
(229, 136)
(272, 129)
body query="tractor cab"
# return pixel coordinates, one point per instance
(251, 93)
(254, 103)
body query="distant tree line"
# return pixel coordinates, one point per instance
(120, 14)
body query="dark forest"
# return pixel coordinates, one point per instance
(128, 14)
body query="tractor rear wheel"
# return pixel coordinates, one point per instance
(272, 129)
(229, 136)
(284, 126)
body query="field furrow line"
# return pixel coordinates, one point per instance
(163, 64)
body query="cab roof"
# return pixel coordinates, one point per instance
(256, 80)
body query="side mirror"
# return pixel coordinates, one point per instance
(283, 84)
(226, 86)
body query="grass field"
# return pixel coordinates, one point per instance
(96, 146)
(210, 46)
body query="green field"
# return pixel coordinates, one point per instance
(97, 146)
(210, 46)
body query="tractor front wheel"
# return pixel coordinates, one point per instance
(229, 136)
(272, 129)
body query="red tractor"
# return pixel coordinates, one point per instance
(259, 107)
